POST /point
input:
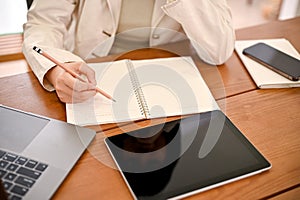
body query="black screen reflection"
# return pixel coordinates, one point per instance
(148, 157)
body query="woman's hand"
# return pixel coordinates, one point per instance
(70, 89)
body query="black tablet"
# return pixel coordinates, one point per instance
(184, 157)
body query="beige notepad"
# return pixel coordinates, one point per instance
(144, 89)
(262, 76)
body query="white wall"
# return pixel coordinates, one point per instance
(12, 15)
(289, 9)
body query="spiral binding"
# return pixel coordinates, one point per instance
(138, 90)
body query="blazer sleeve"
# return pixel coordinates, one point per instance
(47, 27)
(208, 25)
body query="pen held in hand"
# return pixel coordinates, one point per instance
(40, 51)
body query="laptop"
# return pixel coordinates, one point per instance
(37, 153)
(180, 158)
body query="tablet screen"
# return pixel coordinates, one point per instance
(183, 157)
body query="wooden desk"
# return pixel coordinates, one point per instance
(268, 118)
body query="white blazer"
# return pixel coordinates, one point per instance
(76, 30)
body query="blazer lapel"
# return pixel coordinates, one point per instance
(158, 13)
(115, 9)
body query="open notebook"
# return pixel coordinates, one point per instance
(262, 76)
(144, 89)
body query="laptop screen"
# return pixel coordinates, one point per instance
(179, 157)
(18, 129)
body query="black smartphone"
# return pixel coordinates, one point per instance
(275, 60)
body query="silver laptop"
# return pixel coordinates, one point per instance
(37, 153)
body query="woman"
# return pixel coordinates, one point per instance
(75, 30)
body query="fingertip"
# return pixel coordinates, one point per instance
(93, 81)
(92, 86)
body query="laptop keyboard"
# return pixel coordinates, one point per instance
(19, 173)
